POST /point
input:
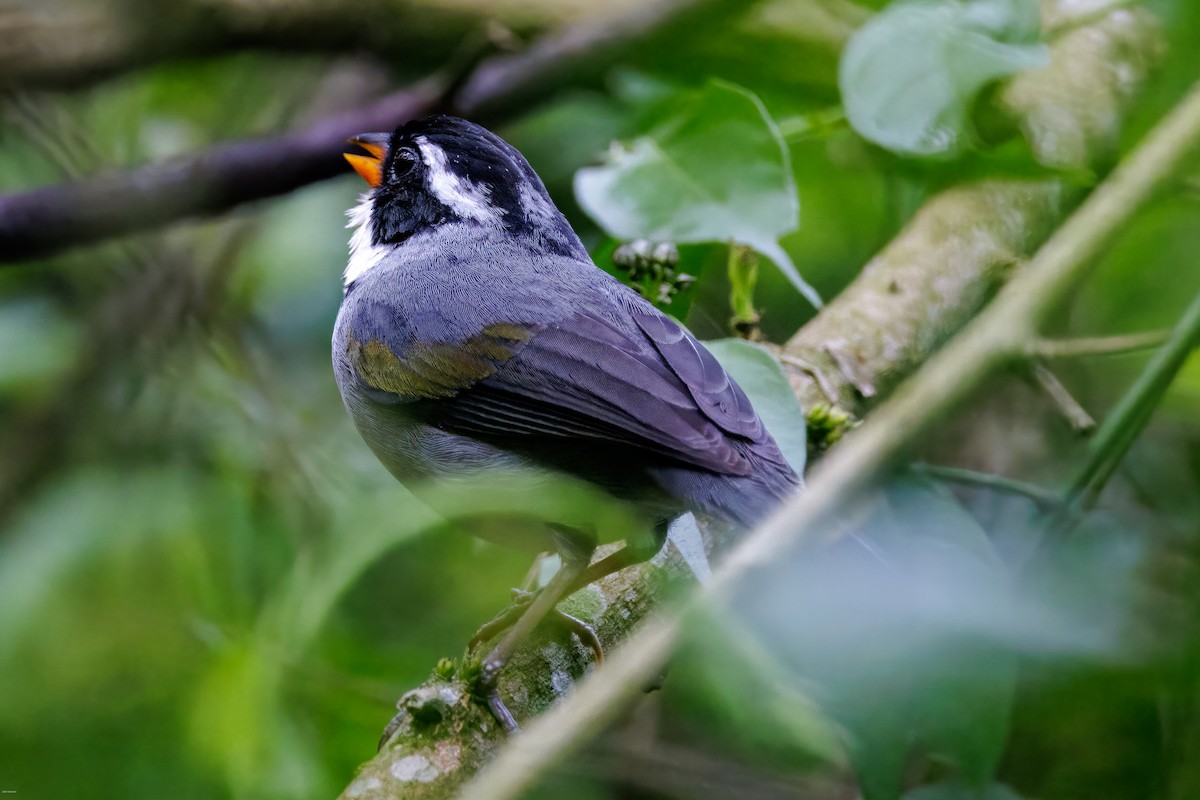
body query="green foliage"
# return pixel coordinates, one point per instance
(39, 345)
(726, 680)
(652, 269)
(717, 169)
(445, 668)
(209, 587)
(911, 75)
(906, 636)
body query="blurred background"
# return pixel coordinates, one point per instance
(210, 588)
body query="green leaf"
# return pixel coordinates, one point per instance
(910, 76)
(726, 681)
(761, 377)
(959, 699)
(964, 718)
(718, 170)
(904, 634)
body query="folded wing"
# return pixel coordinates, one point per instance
(648, 385)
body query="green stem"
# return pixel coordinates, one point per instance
(1097, 345)
(743, 277)
(1044, 498)
(1133, 411)
(794, 129)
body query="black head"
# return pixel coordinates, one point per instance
(444, 170)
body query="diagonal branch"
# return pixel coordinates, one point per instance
(44, 221)
(79, 46)
(880, 330)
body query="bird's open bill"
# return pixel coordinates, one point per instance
(370, 167)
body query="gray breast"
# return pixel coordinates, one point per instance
(409, 448)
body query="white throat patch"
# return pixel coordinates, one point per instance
(465, 198)
(363, 253)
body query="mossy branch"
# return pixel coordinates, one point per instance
(964, 243)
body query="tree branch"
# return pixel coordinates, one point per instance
(965, 242)
(1076, 415)
(88, 43)
(945, 265)
(44, 221)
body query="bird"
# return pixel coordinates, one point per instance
(476, 336)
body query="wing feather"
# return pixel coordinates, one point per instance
(647, 384)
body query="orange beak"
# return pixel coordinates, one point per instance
(370, 167)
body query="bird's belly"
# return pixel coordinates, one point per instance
(451, 473)
(414, 451)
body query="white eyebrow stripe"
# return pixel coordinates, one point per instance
(364, 254)
(467, 199)
(536, 205)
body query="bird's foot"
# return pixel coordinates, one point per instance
(509, 616)
(504, 620)
(393, 725)
(488, 670)
(585, 632)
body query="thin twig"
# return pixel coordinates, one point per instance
(48, 220)
(1078, 417)
(1044, 498)
(998, 335)
(1126, 421)
(816, 374)
(1097, 345)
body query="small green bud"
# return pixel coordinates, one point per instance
(445, 669)
(827, 425)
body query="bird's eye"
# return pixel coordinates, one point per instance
(406, 159)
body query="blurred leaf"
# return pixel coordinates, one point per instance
(909, 77)
(361, 534)
(730, 682)
(38, 344)
(955, 699)
(79, 518)
(234, 712)
(907, 631)
(717, 171)
(953, 790)
(239, 724)
(761, 377)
